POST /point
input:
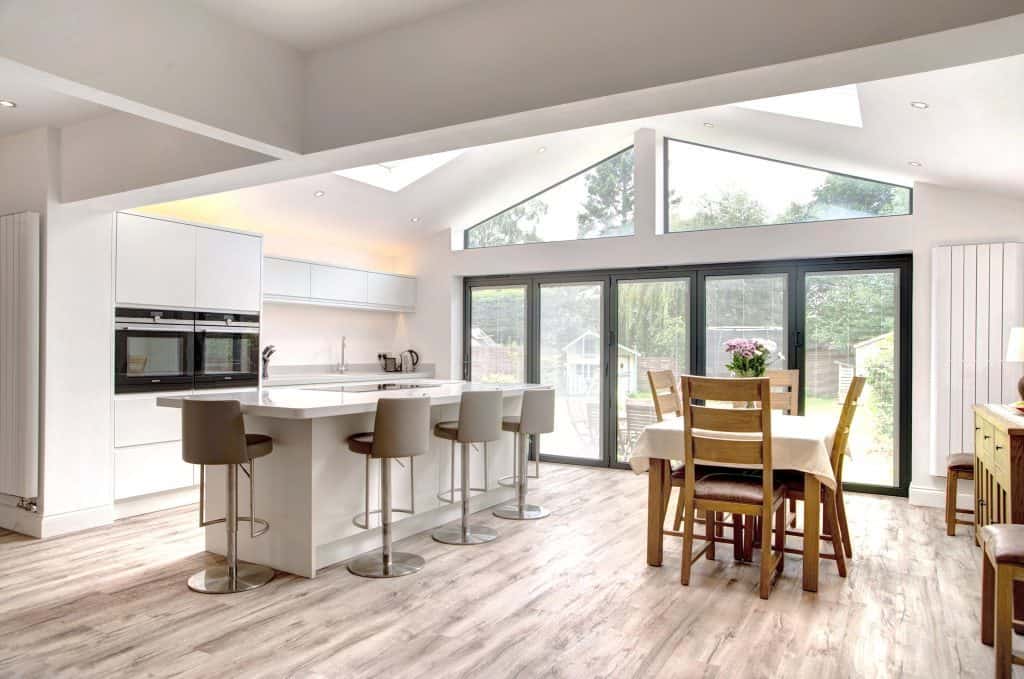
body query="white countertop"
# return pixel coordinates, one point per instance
(302, 404)
(287, 380)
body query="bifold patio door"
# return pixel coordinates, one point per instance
(594, 335)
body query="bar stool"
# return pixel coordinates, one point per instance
(537, 417)
(213, 433)
(958, 466)
(401, 429)
(479, 422)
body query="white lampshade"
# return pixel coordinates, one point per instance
(1015, 347)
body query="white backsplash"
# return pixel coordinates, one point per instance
(309, 335)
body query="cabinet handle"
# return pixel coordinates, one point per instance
(986, 437)
(977, 429)
(999, 447)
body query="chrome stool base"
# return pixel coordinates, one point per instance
(372, 565)
(473, 535)
(527, 513)
(214, 580)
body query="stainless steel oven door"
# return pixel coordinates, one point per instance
(152, 357)
(227, 356)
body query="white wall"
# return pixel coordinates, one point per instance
(309, 335)
(24, 172)
(941, 215)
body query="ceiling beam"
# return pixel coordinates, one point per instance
(168, 61)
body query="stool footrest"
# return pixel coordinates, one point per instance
(366, 524)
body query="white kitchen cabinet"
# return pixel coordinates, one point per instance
(156, 262)
(286, 277)
(391, 290)
(138, 420)
(227, 270)
(338, 285)
(154, 468)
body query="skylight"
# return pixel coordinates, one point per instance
(398, 174)
(838, 105)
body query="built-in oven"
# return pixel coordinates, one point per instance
(153, 350)
(227, 350)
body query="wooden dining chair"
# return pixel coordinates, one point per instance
(710, 437)
(837, 531)
(785, 390)
(665, 393)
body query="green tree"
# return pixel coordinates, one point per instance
(729, 208)
(515, 225)
(843, 309)
(856, 195)
(608, 209)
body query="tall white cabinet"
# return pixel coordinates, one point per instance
(165, 263)
(977, 296)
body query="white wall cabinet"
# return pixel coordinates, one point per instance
(227, 270)
(338, 285)
(163, 263)
(298, 282)
(286, 277)
(390, 290)
(156, 262)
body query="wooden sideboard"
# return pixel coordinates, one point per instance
(998, 465)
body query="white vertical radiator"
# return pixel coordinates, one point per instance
(977, 296)
(19, 354)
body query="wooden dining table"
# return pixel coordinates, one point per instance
(799, 444)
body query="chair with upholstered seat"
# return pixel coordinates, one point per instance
(836, 532)
(740, 436)
(958, 466)
(480, 419)
(1001, 568)
(537, 416)
(401, 428)
(213, 433)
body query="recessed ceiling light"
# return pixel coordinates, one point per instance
(542, 149)
(7, 103)
(414, 219)
(709, 124)
(913, 163)
(919, 104)
(319, 194)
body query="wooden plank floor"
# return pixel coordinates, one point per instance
(568, 596)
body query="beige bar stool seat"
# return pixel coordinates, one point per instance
(401, 429)
(479, 422)
(537, 417)
(213, 433)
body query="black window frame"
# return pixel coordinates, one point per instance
(666, 210)
(796, 294)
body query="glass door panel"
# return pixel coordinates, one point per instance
(497, 334)
(745, 306)
(572, 361)
(852, 328)
(653, 321)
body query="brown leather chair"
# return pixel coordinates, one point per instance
(401, 429)
(1002, 566)
(213, 433)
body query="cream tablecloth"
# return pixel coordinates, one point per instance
(798, 443)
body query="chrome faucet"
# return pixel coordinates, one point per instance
(268, 351)
(343, 367)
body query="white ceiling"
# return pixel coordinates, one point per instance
(309, 25)
(38, 106)
(969, 138)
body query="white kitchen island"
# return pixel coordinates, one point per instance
(310, 487)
